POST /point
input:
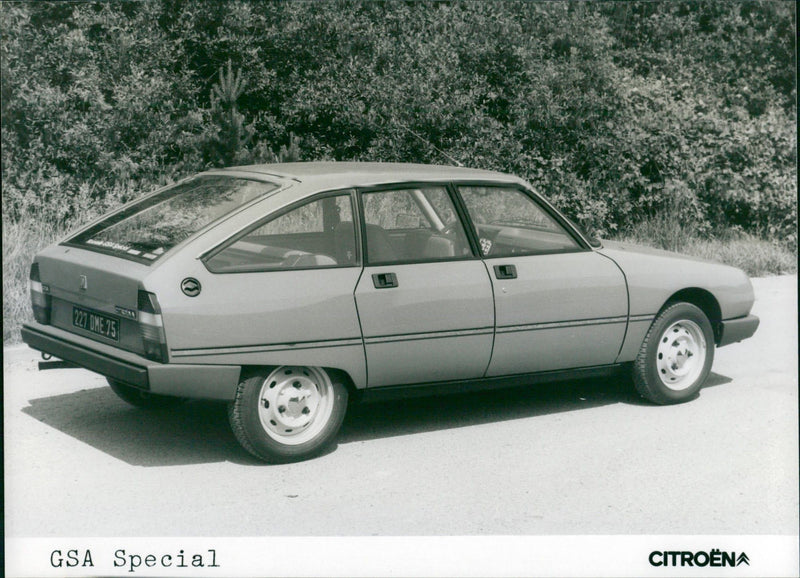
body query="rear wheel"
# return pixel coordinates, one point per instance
(140, 397)
(288, 414)
(676, 355)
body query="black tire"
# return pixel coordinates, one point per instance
(288, 414)
(141, 398)
(676, 355)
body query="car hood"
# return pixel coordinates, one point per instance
(643, 250)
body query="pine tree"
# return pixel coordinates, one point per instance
(228, 143)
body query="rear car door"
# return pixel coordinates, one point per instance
(279, 292)
(424, 299)
(558, 304)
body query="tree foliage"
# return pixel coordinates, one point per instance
(616, 111)
(228, 136)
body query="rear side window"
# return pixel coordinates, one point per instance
(146, 230)
(317, 234)
(412, 226)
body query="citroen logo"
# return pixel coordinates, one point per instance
(84, 283)
(190, 287)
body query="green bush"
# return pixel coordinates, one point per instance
(609, 109)
(618, 112)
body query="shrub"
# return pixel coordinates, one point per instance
(618, 112)
(21, 241)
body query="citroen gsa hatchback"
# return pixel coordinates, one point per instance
(287, 289)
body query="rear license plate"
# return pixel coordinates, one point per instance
(102, 325)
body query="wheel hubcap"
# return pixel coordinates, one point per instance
(681, 355)
(295, 403)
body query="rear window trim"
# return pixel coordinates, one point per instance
(113, 253)
(70, 242)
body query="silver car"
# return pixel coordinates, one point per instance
(286, 290)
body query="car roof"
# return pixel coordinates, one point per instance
(351, 174)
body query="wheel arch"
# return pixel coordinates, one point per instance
(702, 299)
(334, 372)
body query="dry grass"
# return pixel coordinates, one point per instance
(21, 241)
(756, 257)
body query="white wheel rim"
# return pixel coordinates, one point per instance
(681, 355)
(295, 403)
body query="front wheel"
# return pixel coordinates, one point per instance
(289, 414)
(676, 355)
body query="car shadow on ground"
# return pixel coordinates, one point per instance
(197, 432)
(402, 417)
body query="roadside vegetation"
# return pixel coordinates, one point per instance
(756, 256)
(672, 124)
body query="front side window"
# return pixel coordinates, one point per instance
(412, 225)
(146, 230)
(509, 222)
(319, 233)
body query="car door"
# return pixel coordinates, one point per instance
(424, 299)
(558, 304)
(279, 292)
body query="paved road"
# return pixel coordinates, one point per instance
(577, 458)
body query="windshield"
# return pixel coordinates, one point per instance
(146, 230)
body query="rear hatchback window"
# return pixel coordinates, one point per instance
(146, 230)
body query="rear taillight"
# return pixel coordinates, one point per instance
(151, 327)
(40, 296)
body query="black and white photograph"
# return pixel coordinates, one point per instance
(400, 288)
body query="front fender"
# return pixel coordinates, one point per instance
(654, 276)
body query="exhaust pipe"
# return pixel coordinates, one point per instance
(59, 364)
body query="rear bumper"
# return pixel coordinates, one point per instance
(182, 380)
(734, 330)
(129, 373)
